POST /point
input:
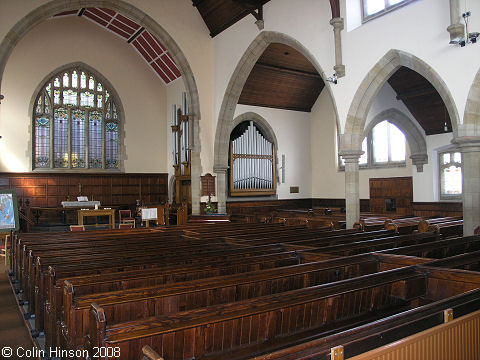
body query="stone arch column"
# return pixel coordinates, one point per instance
(468, 140)
(53, 7)
(351, 139)
(232, 94)
(415, 138)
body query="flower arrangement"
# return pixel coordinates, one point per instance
(209, 207)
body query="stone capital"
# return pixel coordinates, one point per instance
(220, 169)
(337, 23)
(457, 31)
(340, 70)
(419, 160)
(468, 143)
(351, 156)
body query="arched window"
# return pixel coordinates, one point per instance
(252, 162)
(450, 175)
(388, 144)
(75, 123)
(384, 146)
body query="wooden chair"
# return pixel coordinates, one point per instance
(125, 217)
(5, 247)
(77, 228)
(125, 226)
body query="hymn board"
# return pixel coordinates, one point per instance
(182, 153)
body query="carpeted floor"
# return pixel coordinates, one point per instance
(13, 332)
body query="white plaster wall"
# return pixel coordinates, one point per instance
(418, 28)
(292, 129)
(426, 184)
(327, 181)
(57, 42)
(184, 24)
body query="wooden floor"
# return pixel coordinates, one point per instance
(13, 333)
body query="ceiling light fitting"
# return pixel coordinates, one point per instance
(333, 79)
(470, 38)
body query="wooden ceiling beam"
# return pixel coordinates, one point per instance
(416, 93)
(288, 70)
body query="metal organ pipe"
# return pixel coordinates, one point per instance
(252, 161)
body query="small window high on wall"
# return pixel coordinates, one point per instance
(252, 162)
(75, 123)
(375, 8)
(450, 175)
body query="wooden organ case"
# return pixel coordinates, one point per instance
(252, 162)
(182, 153)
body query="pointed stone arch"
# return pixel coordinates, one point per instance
(351, 139)
(54, 7)
(415, 138)
(232, 95)
(471, 118)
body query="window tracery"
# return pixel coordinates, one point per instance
(75, 123)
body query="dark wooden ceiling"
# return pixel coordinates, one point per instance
(282, 78)
(221, 14)
(421, 99)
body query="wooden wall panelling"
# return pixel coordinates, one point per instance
(398, 188)
(116, 189)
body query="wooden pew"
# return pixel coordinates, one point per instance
(354, 341)
(448, 229)
(242, 329)
(46, 274)
(194, 294)
(118, 281)
(439, 249)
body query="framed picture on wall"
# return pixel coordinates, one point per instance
(8, 211)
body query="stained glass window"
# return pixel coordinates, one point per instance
(95, 144)
(450, 175)
(76, 123)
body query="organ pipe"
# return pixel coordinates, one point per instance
(252, 164)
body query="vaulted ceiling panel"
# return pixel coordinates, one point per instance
(148, 46)
(282, 78)
(218, 15)
(422, 100)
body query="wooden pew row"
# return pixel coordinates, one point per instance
(88, 245)
(176, 297)
(111, 250)
(370, 245)
(354, 341)
(27, 239)
(86, 285)
(439, 249)
(24, 239)
(425, 223)
(448, 229)
(45, 280)
(288, 232)
(323, 237)
(242, 329)
(466, 261)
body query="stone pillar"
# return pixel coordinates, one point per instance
(352, 188)
(337, 24)
(222, 181)
(456, 28)
(470, 149)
